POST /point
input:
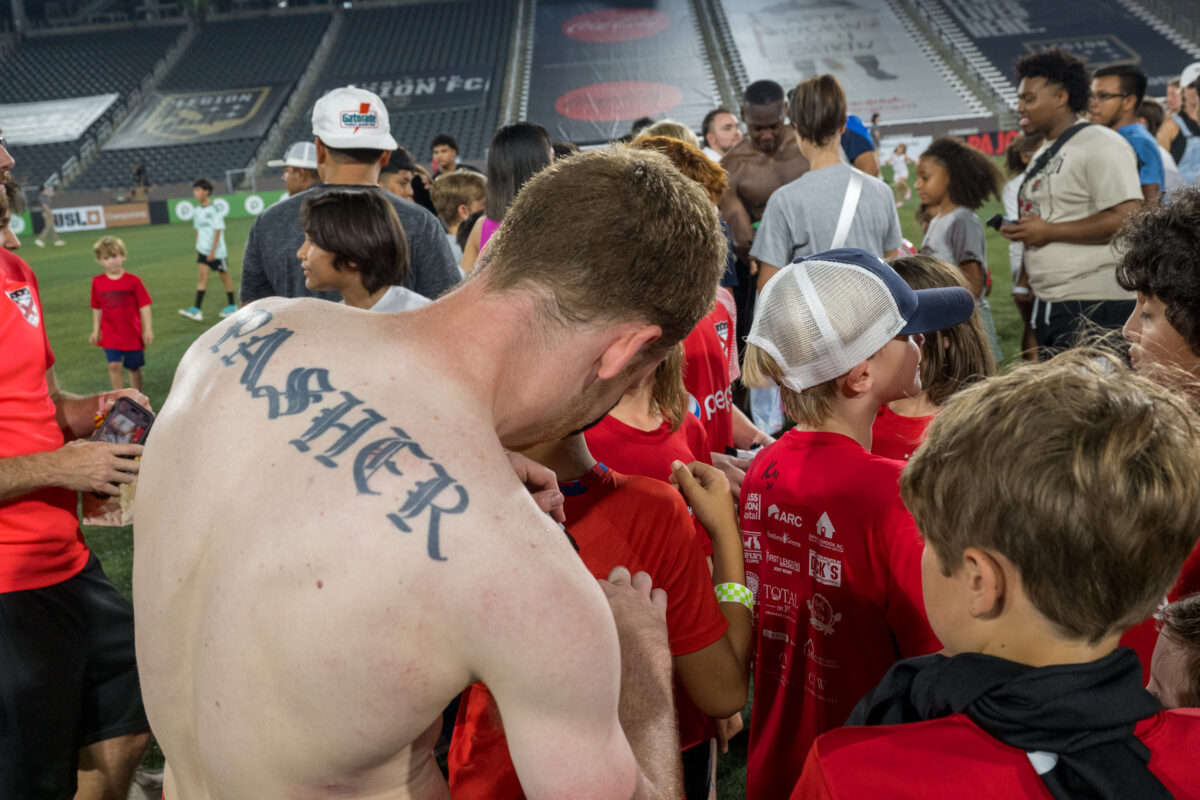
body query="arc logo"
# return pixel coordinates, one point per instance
(776, 513)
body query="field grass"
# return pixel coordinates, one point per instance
(162, 256)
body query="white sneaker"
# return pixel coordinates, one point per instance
(59, 243)
(39, 242)
(192, 313)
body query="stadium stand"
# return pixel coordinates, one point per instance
(993, 35)
(227, 54)
(58, 66)
(418, 58)
(1182, 16)
(872, 46)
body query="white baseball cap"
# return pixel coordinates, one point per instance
(1191, 74)
(300, 154)
(350, 117)
(821, 315)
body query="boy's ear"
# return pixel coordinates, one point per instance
(858, 380)
(463, 213)
(986, 583)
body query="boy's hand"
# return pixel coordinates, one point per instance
(707, 491)
(94, 337)
(148, 338)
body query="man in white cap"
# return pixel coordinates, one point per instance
(353, 141)
(1180, 131)
(299, 167)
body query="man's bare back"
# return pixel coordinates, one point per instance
(327, 542)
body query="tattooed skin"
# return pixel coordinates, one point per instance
(340, 425)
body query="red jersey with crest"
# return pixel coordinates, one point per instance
(40, 540)
(631, 451)
(895, 436)
(120, 302)
(710, 367)
(834, 561)
(951, 757)
(614, 520)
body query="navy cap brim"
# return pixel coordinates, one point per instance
(938, 309)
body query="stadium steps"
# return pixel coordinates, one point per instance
(944, 29)
(943, 63)
(300, 101)
(514, 101)
(90, 148)
(1178, 21)
(713, 30)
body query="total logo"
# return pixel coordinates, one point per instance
(776, 513)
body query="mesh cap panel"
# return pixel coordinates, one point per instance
(818, 319)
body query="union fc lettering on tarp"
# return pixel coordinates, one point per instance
(459, 87)
(202, 116)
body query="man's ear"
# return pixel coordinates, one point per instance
(626, 344)
(986, 583)
(385, 158)
(322, 152)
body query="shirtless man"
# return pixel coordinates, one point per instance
(363, 551)
(766, 159)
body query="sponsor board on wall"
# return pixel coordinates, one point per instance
(458, 87)
(79, 218)
(231, 206)
(51, 121)
(203, 116)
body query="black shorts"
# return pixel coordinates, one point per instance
(217, 263)
(67, 679)
(1062, 325)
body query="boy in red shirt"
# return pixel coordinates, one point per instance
(631, 520)
(121, 321)
(831, 552)
(1038, 556)
(1159, 252)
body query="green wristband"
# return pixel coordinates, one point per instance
(735, 593)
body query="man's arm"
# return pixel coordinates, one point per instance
(431, 262)
(83, 466)
(255, 284)
(765, 273)
(734, 212)
(1099, 228)
(868, 162)
(1150, 193)
(1167, 132)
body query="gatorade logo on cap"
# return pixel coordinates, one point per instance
(363, 118)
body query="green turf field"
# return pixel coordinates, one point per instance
(163, 257)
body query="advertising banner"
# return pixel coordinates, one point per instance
(127, 215)
(231, 206)
(205, 116)
(52, 121)
(461, 87)
(861, 42)
(80, 218)
(598, 66)
(1102, 32)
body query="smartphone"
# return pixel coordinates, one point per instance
(126, 423)
(999, 219)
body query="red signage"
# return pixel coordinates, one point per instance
(616, 25)
(992, 143)
(619, 100)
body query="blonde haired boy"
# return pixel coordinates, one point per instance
(831, 552)
(1057, 503)
(121, 319)
(456, 196)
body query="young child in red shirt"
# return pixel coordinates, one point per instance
(831, 553)
(1159, 252)
(121, 322)
(950, 360)
(643, 524)
(1175, 667)
(1039, 553)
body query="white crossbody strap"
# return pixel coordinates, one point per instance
(849, 205)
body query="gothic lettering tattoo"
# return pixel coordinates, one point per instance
(339, 424)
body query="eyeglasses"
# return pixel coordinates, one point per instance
(1104, 97)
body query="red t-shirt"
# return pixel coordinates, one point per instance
(952, 758)
(834, 560)
(615, 520)
(709, 369)
(895, 436)
(40, 540)
(1143, 636)
(635, 452)
(120, 302)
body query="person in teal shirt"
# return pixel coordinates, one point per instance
(211, 250)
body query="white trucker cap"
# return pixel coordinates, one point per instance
(300, 154)
(350, 117)
(1191, 74)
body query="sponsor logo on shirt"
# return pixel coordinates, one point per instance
(23, 297)
(824, 526)
(783, 538)
(717, 401)
(821, 615)
(823, 538)
(752, 548)
(780, 595)
(824, 569)
(752, 508)
(785, 564)
(776, 513)
(752, 584)
(723, 331)
(810, 652)
(778, 636)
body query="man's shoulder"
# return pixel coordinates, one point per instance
(1093, 136)
(13, 267)
(411, 214)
